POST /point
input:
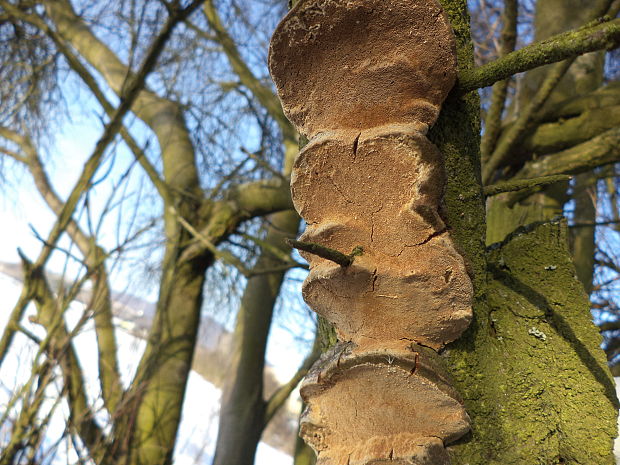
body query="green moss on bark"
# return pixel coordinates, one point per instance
(457, 135)
(546, 374)
(531, 382)
(591, 38)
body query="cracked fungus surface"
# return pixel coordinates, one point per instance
(356, 382)
(390, 174)
(364, 80)
(380, 190)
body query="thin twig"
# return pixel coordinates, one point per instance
(263, 163)
(593, 225)
(223, 255)
(526, 118)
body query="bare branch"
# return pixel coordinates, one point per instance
(529, 115)
(326, 253)
(264, 164)
(525, 120)
(58, 346)
(262, 93)
(223, 255)
(240, 203)
(163, 116)
(493, 120)
(590, 38)
(565, 133)
(609, 326)
(131, 91)
(601, 150)
(90, 81)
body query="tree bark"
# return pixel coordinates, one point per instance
(529, 367)
(242, 412)
(156, 395)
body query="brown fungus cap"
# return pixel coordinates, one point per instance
(423, 296)
(359, 64)
(380, 189)
(388, 179)
(381, 405)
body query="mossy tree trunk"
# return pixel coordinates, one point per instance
(529, 368)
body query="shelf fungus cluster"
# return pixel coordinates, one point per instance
(364, 80)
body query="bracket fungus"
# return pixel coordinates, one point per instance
(364, 80)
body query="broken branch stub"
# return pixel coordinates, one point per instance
(364, 80)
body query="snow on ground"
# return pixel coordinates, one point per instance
(198, 430)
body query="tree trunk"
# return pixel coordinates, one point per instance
(586, 74)
(159, 386)
(529, 368)
(242, 413)
(537, 371)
